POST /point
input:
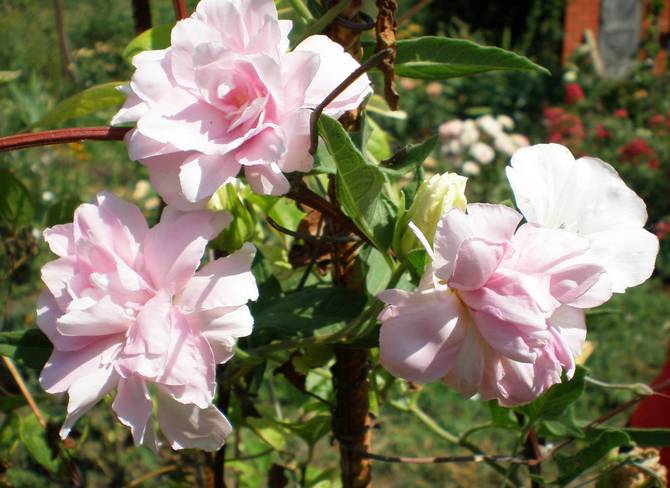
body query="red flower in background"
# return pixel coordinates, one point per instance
(662, 229)
(601, 131)
(563, 126)
(621, 113)
(656, 120)
(573, 93)
(636, 151)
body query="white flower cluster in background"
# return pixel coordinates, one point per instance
(468, 144)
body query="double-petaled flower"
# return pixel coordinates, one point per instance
(227, 94)
(126, 310)
(501, 310)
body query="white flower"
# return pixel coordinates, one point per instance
(505, 144)
(490, 125)
(141, 190)
(586, 196)
(471, 168)
(570, 76)
(453, 147)
(519, 140)
(482, 152)
(450, 129)
(470, 133)
(506, 121)
(47, 196)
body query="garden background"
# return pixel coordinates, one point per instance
(590, 103)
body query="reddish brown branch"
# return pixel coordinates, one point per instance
(305, 196)
(62, 136)
(180, 9)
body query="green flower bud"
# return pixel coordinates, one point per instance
(435, 196)
(229, 198)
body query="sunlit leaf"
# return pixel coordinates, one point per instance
(90, 101)
(436, 58)
(359, 185)
(155, 38)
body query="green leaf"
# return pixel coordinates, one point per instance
(7, 76)
(555, 400)
(377, 145)
(572, 466)
(646, 437)
(91, 100)
(359, 185)
(377, 270)
(411, 157)
(501, 416)
(303, 313)
(155, 38)
(30, 348)
(16, 204)
(61, 212)
(269, 432)
(312, 430)
(438, 58)
(33, 437)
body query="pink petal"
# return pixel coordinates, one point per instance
(190, 427)
(101, 318)
(172, 250)
(494, 223)
(297, 134)
(132, 406)
(420, 342)
(47, 314)
(475, 262)
(201, 175)
(267, 179)
(225, 282)
(60, 239)
(335, 66)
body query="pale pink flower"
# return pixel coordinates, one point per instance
(586, 196)
(127, 311)
(450, 129)
(500, 312)
(225, 95)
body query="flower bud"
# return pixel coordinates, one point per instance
(435, 196)
(242, 227)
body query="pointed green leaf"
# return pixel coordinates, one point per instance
(311, 311)
(90, 101)
(437, 58)
(360, 185)
(411, 157)
(33, 437)
(572, 466)
(556, 399)
(155, 38)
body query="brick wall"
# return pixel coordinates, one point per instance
(580, 15)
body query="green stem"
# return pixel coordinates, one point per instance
(301, 9)
(323, 21)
